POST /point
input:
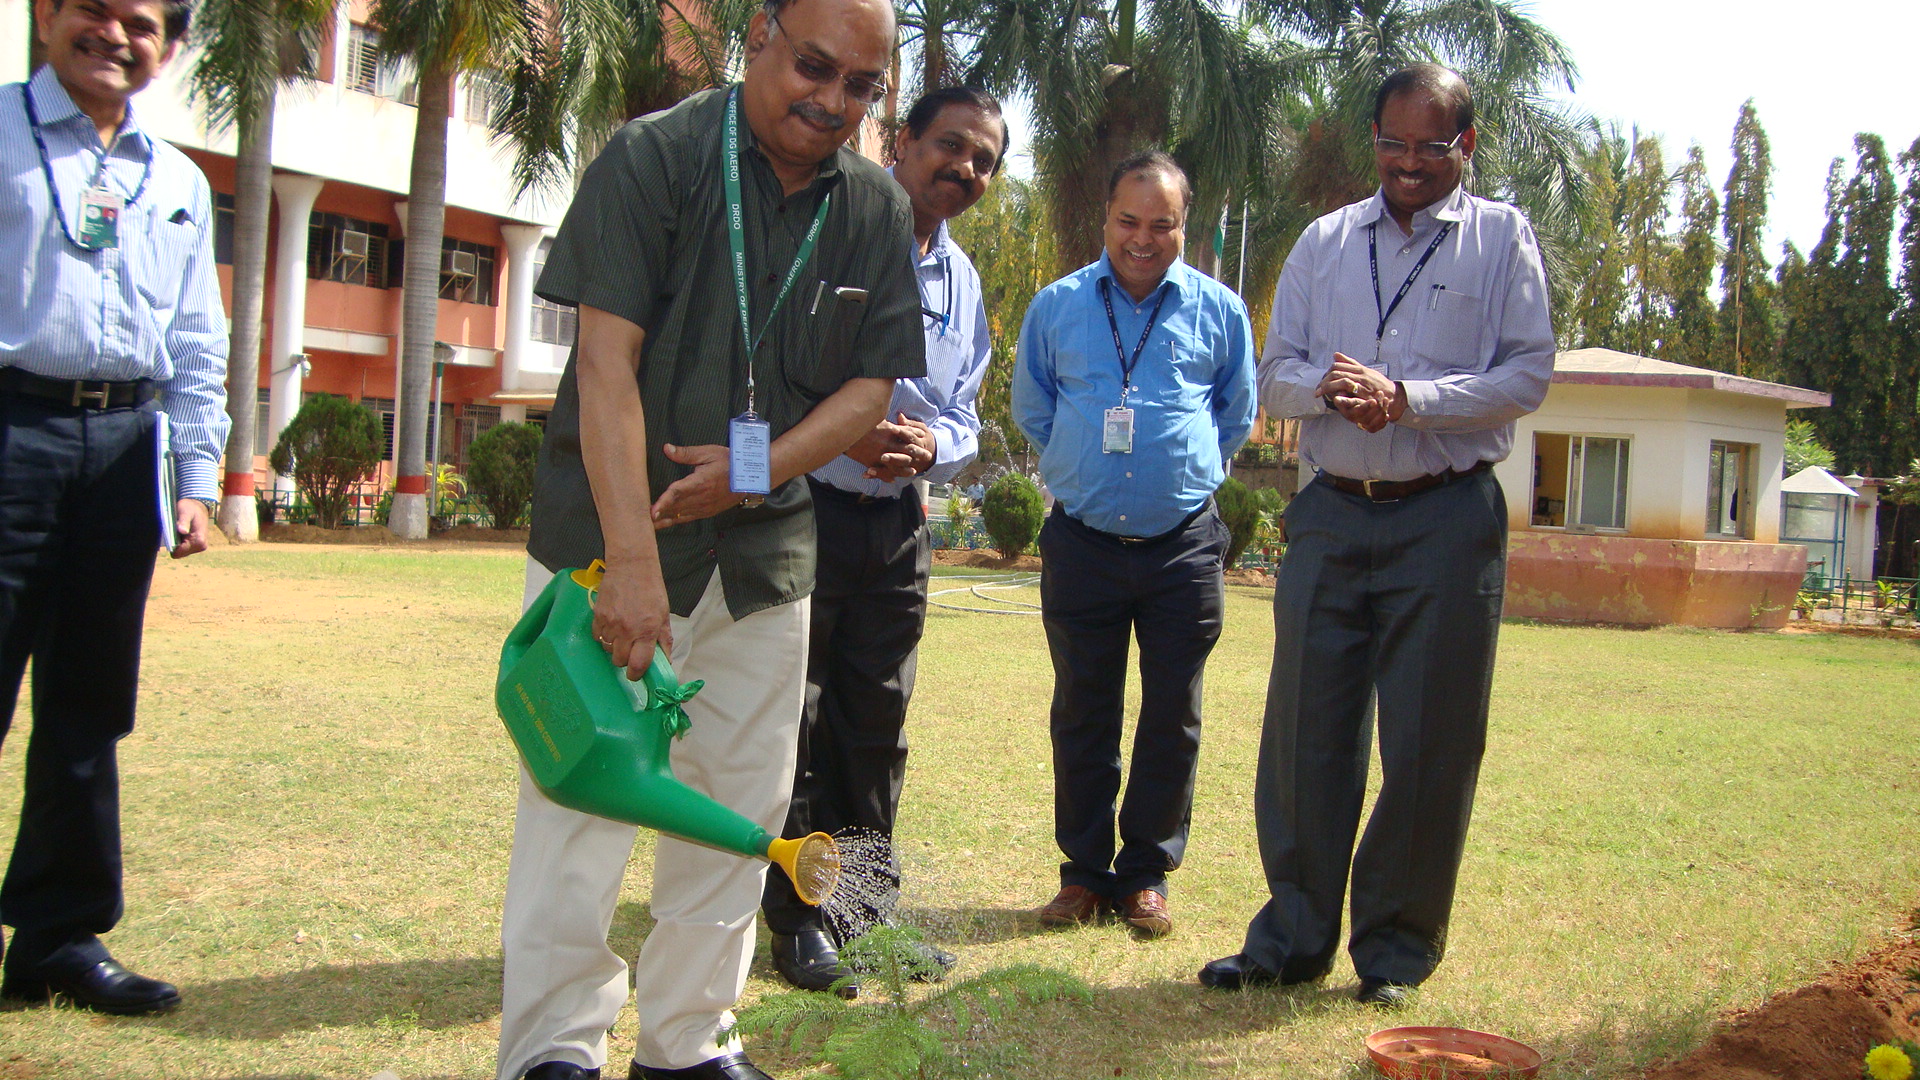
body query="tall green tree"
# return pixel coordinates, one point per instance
(1623, 299)
(1840, 335)
(1749, 318)
(1904, 398)
(1693, 326)
(1009, 233)
(441, 40)
(247, 50)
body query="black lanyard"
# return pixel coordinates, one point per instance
(1120, 350)
(1373, 263)
(46, 166)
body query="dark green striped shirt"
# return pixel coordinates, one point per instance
(646, 239)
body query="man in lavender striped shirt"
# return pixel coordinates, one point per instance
(113, 345)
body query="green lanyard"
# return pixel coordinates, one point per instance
(736, 237)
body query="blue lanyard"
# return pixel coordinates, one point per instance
(46, 166)
(1373, 263)
(945, 317)
(1126, 365)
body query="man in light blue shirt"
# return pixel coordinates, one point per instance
(1135, 381)
(1409, 331)
(870, 586)
(111, 333)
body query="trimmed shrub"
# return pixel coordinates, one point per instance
(1011, 513)
(1240, 513)
(331, 445)
(500, 467)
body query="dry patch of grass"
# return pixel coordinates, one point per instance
(319, 807)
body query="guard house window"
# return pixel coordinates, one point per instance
(349, 250)
(1579, 481)
(485, 94)
(1730, 490)
(367, 73)
(466, 271)
(223, 229)
(384, 407)
(555, 324)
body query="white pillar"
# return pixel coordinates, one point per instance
(295, 195)
(17, 37)
(522, 242)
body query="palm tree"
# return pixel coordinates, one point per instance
(248, 48)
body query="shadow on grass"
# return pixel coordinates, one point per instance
(417, 995)
(971, 925)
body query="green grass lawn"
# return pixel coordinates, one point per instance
(318, 809)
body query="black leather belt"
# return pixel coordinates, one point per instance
(1132, 541)
(78, 393)
(1395, 490)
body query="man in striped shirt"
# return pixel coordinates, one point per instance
(113, 346)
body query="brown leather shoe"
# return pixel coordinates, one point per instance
(1075, 904)
(1146, 912)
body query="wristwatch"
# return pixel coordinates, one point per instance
(748, 502)
(212, 505)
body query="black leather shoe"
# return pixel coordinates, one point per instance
(105, 987)
(560, 1070)
(1236, 972)
(809, 961)
(725, 1067)
(1382, 993)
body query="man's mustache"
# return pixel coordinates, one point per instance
(817, 116)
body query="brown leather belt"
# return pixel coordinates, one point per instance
(78, 393)
(1395, 490)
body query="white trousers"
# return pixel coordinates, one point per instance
(563, 986)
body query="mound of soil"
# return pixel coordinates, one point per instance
(1818, 1032)
(982, 559)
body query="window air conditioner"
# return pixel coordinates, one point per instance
(354, 244)
(460, 264)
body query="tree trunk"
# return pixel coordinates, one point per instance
(1135, 119)
(252, 202)
(420, 308)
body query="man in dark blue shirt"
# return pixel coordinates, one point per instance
(1135, 382)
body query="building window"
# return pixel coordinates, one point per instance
(473, 421)
(1579, 482)
(1730, 490)
(223, 229)
(466, 271)
(369, 74)
(485, 94)
(383, 406)
(555, 324)
(349, 250)
(262, 418)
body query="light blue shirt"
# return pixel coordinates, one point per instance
(1192, 396)
(957, 349)
(1472, 342)
(147, 309)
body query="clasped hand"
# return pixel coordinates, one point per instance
(895, 450)
(1364, 396)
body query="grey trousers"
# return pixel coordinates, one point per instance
(1396, 604)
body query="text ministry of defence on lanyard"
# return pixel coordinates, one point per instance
(749, 440)
(100, 207)
(1373, 264)
(1116, 434)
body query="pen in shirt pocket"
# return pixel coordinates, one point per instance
(814, 308)
(1433, 301)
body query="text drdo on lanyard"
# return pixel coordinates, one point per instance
(749, 440)
(1373, 264)
(100, 206)
(1116, 436)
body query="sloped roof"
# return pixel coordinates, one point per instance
(1606, 367)
(1814, 480)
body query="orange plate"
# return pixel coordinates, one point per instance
(1442, 1053)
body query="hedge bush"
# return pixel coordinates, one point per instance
(331, 445)
(1241, 514)
(1011, 513)
(500, 467)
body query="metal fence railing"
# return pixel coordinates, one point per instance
(1849, 599)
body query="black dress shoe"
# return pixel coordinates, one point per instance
(560, 1070)
(724, 1067)
(105, 987)
(1239, 970)
(1382, 993)
(809, 961)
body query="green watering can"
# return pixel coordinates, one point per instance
(597, 742)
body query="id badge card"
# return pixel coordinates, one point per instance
(100, 219)
(1117, 433)
(750, 466)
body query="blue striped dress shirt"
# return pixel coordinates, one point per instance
(1192, 396)
(147, 309)
(957, 349)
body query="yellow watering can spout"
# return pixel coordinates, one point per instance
(596, 742)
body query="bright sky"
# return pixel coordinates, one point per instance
(1818, 73)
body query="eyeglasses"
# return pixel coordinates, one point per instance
(1431, 151)
(860, 88)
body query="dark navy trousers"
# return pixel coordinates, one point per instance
(79, 528)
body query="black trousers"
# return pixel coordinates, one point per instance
(79, 528)
(1395, 604)
(1096, 592)
(869, 611)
